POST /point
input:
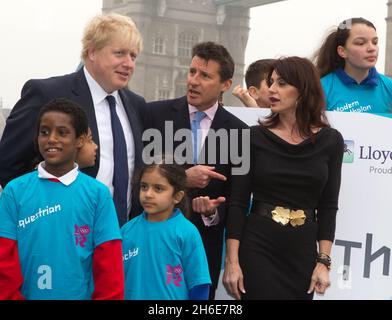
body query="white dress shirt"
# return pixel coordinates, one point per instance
(102, 114)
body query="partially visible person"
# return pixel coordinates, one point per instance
(281, 250)
(256, 92)
(111, 43)
(244, 96)
(88, 152)
(210, 170)
(346, 62)
(59, 236)
(163, 254)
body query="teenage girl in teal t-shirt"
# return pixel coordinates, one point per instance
(346, 62)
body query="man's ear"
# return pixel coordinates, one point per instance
(226, 85)
(178, 197)
(253, 92)
(341, 52)
(91, 52)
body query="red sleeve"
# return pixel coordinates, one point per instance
(108, 271)
(11, 278)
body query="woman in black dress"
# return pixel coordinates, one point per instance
(281, 249)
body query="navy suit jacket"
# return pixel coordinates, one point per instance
(17, 145)
(177, 110)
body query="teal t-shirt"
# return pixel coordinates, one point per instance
(163, 260)
(57, 228)
(372, 95)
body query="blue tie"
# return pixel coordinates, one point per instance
(121, 173)
(195, 126)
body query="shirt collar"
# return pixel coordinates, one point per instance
(66, 179)
(210, 112)
(371, 80)
(97, 92)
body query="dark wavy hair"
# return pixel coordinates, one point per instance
(310, 111)
(327, 58)
(218, 53)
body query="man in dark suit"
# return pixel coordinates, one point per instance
(210, 74)
(111, 44)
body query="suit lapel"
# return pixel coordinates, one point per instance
(135, 125)
(180, 115)
(82, 95)
(220, 120)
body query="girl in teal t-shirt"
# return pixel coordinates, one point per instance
(163, 254)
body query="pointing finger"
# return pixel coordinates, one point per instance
(216, 175)
(218, 201)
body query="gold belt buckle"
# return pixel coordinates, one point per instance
(284, 216)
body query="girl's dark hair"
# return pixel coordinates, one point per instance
(74, 110)
(327, 58)
(310, 111)
(175, 175)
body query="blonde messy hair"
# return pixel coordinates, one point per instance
(102, 28)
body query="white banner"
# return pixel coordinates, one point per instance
(361, 254)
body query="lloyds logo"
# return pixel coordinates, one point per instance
(348, 156)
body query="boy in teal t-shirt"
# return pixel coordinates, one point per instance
(59, 233)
